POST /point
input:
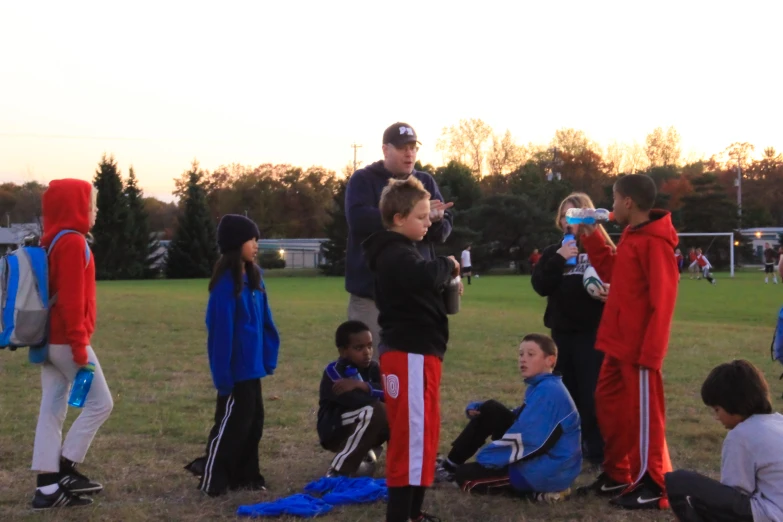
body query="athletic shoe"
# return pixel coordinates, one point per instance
(197, 466)
(78, 484)
(60, 498)
(551, 497)
(646, 495)
(426, 517)
(367, 467)
(604, 486)
(443, 475)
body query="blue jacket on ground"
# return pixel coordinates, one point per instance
(362, 197)
(242, 340)
(543, 447)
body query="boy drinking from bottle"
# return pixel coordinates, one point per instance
(634, 336)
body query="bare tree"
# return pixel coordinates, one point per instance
(615, 154)
(739, 154)
(572, 141)
(663, 148)
(505, 155)
(467, 142)
(636, 158)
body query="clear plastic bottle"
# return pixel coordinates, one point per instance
(81, 385)
(587, 216)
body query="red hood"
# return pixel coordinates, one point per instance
(66, 205)
(660, 225)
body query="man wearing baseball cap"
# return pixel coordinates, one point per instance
(400, 145)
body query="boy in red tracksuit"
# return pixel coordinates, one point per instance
(634, 335)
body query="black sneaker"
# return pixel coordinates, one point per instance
(646, 495)
(604, 486)
(197, 466)
(78, 484)
(444, 473)
(60, 498)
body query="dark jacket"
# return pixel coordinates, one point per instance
(568, 305)
(331, 406)
(362, 197)
(409, 294)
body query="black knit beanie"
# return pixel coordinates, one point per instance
(234, 230)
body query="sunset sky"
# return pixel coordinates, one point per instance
(160, 83)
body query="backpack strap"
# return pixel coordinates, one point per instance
(61, 233)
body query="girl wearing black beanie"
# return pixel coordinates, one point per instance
(242, 343)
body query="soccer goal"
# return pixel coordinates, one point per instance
(716, 235)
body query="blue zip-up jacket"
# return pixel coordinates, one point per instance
(362, 197)
(242, 340)
(543, 447)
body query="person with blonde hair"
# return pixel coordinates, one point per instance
(573, 316)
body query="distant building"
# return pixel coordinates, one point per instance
(298, 253)
(760, 236)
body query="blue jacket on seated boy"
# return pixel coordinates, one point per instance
(535, 448)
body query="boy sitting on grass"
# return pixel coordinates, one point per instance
(751, 475)
(351, 413)
(535, 450)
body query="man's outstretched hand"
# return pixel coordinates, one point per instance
(437, 209)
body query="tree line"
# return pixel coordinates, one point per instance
(505, 194)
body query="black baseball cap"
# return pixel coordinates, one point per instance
(399, 134)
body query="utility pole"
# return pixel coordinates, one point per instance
(739, 193)
(355, 163)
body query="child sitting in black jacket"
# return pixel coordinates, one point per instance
(351, 414)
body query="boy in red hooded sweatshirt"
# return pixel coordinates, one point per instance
(634, 335)
(68, 204)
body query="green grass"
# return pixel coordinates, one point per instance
(151, 342)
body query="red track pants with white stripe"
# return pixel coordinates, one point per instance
(411, 384)
(632, 417)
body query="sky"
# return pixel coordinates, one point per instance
(158, 84)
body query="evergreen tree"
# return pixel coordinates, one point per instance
(109, 245)
(333, 250)
(140, 247)
(193, 250)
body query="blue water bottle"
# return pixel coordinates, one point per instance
(81, 385)
(566, 238)
(353, 373)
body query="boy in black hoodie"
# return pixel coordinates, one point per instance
(414, 334)
(351, 415)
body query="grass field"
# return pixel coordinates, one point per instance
(151, 343)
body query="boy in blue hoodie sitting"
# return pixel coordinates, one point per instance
(535, 450)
